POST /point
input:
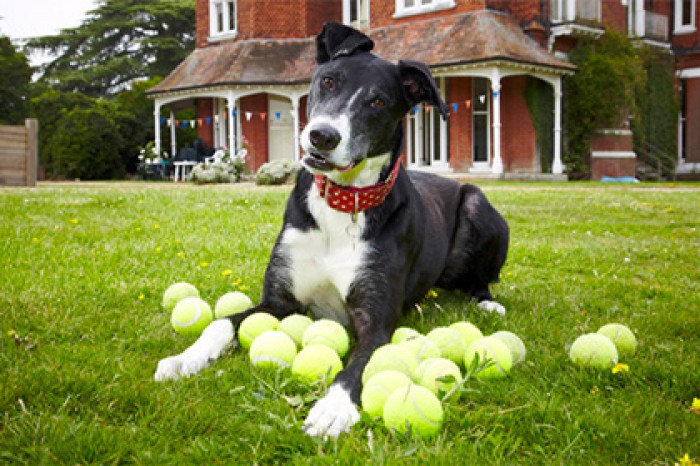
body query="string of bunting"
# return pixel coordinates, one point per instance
(454, 106)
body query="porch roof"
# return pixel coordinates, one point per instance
(470, 38)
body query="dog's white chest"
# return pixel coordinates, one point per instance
(324, 263)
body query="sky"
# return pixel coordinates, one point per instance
(21, 19)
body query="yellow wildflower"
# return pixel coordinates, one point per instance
(686, 461)
(619, 367)
(226, 273)
(204, 264)
(695, 407)
(74, 221)
(181, 254)
(142, 297)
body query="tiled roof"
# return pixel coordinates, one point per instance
(476, 37)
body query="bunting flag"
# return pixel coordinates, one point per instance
(248, 115)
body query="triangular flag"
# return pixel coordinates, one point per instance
(162, 120)
(234, 112)
(455, 107)
(248, 115)
(263, 116)
(199, 122)
(216, 118)
(193, 123)
(208, 120)
(278, 115)
(468, 103)
(225, 115)
(169, 123)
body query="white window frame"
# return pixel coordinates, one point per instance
(226, 31)
(363, 8)
(421, 6)
(678, 26)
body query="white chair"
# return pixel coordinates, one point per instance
(217, 157)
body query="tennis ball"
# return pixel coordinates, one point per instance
(404, 333)
(273, 349)
(622, 337)
(378, 388)
(414, 409)
(450, 342)
(190, 316)
(327, 332)
(231, 303)
(438, 375)
(316, 362)
(295, 325)
(593, 350)
(492, 350)
(514, 344)
(470, 332)
(389, 357)
(176, 293)
(421, 348)
(255, 325)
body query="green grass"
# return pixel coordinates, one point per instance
(83, 269)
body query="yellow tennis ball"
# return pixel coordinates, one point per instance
(378, 388)
(593, 350)
(273, 349)
(438, 375)
(190, 316)
(622, 337)
(233, 302)
(176, 293)
(514, 344)
(316, 362)
(414, 409)
(450, 342)
(421, 348)
(255, 325)
(389, 357)
(470, 332)
(327, 332)
(493, 352)
(404, 333)
(295, 325)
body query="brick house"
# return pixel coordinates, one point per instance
(249, 74)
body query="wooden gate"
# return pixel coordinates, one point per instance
(18, 154)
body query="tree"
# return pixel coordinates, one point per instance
(15, 76)
(120, 42)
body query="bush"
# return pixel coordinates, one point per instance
(277, 172)
(217, 173)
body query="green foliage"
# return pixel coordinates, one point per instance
(82, 329)
(15, 76)
(120, 42)
(221, 172)
(601, 94)
(539, 97)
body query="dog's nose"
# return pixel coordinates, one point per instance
(324, 138)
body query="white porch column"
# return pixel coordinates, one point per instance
(173, 136)
(297, 130)
(156, 126)
(444, 136)
(497, 165)
(419, 148)
(557, 166)
(231, 118)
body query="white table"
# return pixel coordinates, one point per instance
(183, 169)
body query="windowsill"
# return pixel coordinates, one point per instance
(222, 36)
(423, 9)
(684, 30)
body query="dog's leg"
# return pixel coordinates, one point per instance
(337, 411)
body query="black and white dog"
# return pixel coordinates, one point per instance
(364, 240)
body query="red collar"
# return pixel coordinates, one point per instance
(352, 200)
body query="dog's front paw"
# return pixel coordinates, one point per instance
(492, 306)
(176, 367)
(332, 415)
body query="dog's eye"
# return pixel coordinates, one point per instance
(329, 83)
(378, 103)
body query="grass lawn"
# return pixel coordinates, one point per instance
(83, 268)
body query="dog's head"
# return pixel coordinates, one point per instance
(357, 102)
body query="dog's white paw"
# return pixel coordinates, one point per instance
(208, 347)
(492, 306)
(332, 415)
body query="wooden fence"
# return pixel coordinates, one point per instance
(18, 154)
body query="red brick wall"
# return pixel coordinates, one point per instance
(518, 141)
(382, 11)
(255, 130)
(692, 134)
(459, 90)
(204, 109)
(201, 22)
(613, 167)
(614, 15)
(524, 11)
(612, 142)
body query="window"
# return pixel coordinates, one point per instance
(356, 13)
(222, 18)
(480, 121)
(416, 7)
(684, 14)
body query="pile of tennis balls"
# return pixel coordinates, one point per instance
(605, 348)
(190, 314)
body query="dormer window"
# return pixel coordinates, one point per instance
(417, 7)
(356, 13)
(223, 22)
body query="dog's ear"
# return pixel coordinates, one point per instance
(337, 40)
(419, 85)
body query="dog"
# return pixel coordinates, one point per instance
(363, 239)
